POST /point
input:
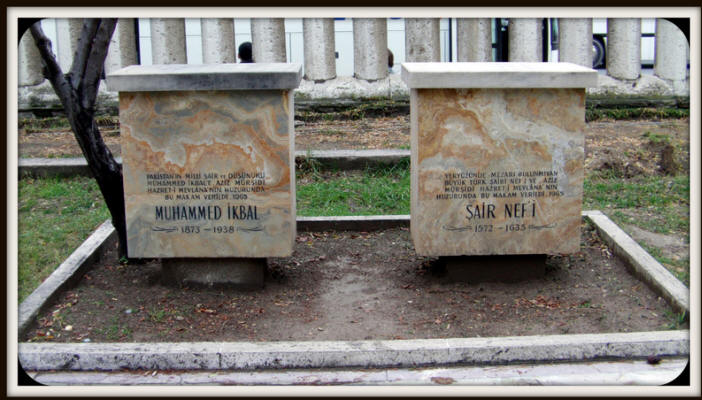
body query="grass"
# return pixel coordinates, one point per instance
(332, 132)
(54, 217)
(61, 123)
(41, 124)
(657, 138)
(114, 331)
(594, 114)
(677, 320)
(664, 200)
(157, 315)
(680, 268)
(374, 191)
(659, 204)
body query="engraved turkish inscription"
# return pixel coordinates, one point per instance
(496, 171)
(472, 185)
(478, 188)
(208, 174)
(205, 187)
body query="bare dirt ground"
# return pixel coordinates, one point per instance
(356, 286)
(628, 147)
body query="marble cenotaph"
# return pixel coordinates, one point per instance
(497, 157)
(208, 161)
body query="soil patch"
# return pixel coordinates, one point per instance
(631, 148)
(366, 133)
(356, 286)
(59, 144)
(670, 246)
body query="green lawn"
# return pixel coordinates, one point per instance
(56, 215)
(654, 203)
(375, 191)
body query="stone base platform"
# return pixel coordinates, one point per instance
(240, 273)
(503, 268)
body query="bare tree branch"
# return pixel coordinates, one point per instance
(62, 86)
(96, 61)
(77, 91)
(83, 49)
(51, 69)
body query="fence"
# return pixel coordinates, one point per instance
(323, 45)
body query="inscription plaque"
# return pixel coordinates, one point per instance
(497, 157)
(209, 169)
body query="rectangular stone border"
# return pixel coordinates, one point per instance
(353, 159)
(329, 354)
(656, 276)
(351, 354)
(50, 167)
(626, 372)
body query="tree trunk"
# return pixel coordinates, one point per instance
(77, 91)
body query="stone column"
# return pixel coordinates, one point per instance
(575, 41)
(671, 52)
(370, 48)
(318, 38)
(525, 40)
(218, 41)
(624, 48)
(29, 66)
(168, 41)
(422, 42)
(268, 40)
(122, 51)
(474, 36)
(67, 34)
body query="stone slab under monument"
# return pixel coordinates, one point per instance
(497, 154)
(208, 164)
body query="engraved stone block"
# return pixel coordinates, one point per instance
(208, 159)
(497, 157)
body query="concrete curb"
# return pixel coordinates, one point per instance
(50, 167)
(66, 275)
(642, 264)
(591, 373)
(352, 354)
(354, 159)
(341, 159)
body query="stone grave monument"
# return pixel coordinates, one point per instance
(208, 163)
(497, 159)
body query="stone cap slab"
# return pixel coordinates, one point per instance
(176, 77)
(499, 75)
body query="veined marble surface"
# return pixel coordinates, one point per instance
(496, 171)
(241, 143)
